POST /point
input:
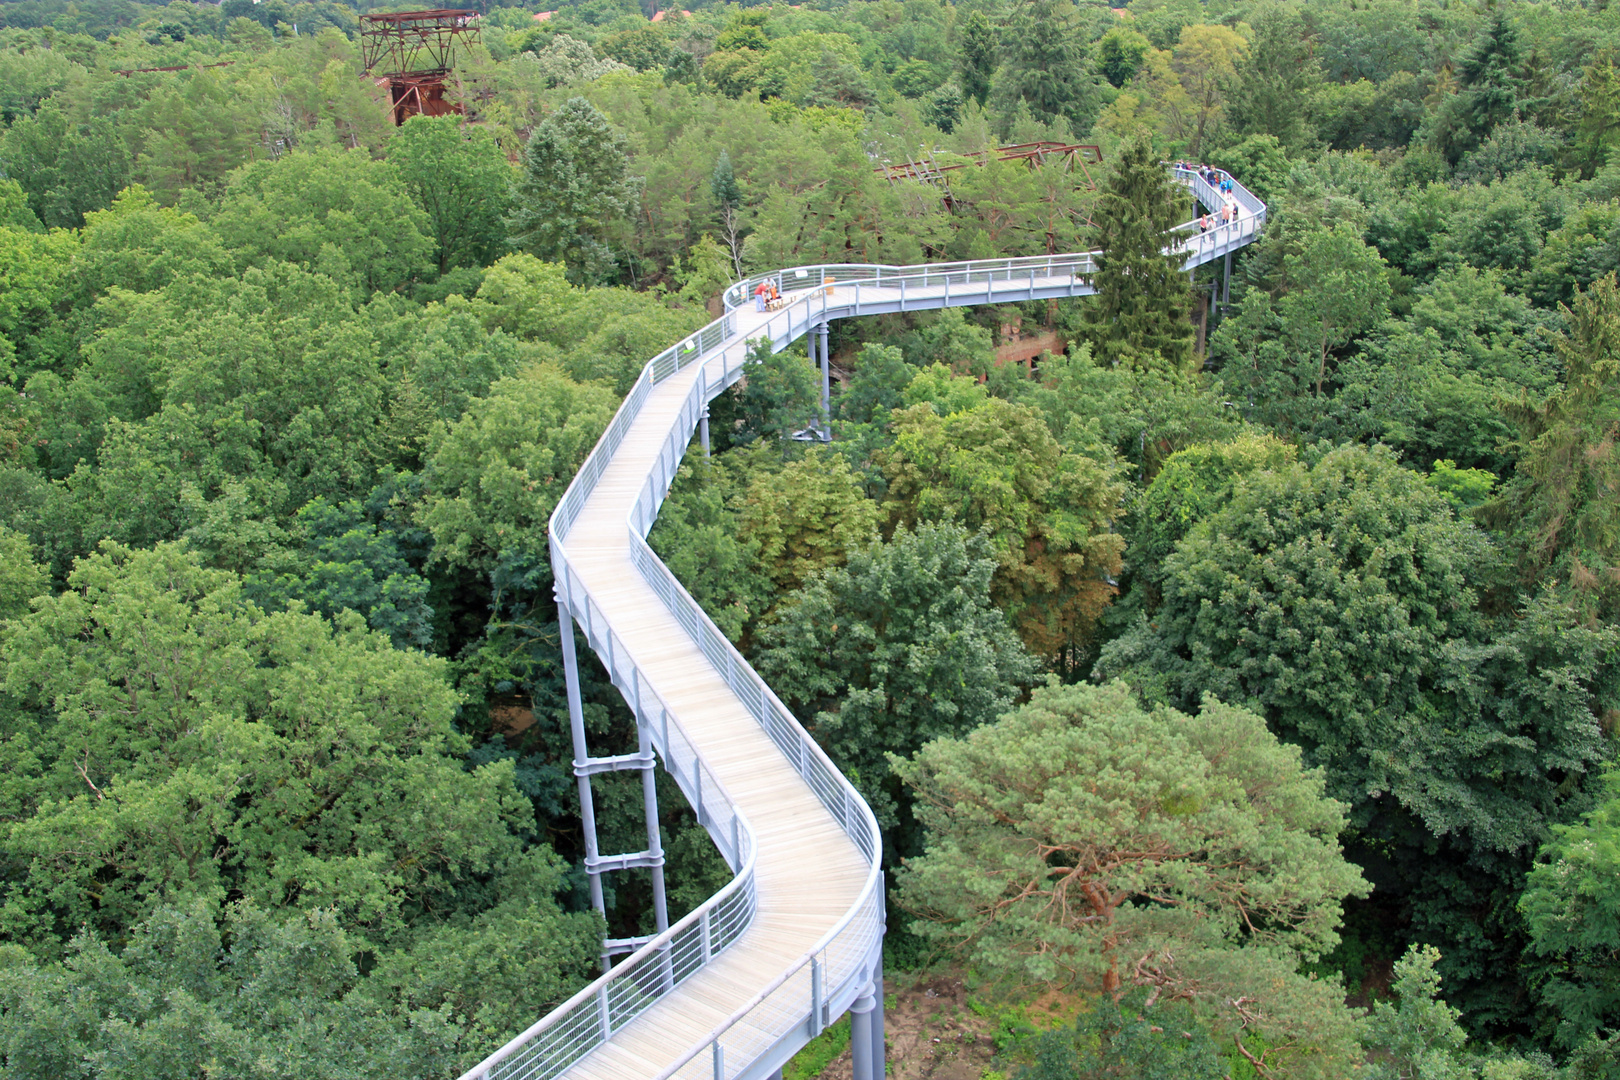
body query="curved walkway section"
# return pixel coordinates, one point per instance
(795, 939)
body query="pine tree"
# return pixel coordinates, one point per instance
(1488, 95)
(1139, 315)
(576, 191)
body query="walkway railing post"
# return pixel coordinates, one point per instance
(703, 409)
(815, 997)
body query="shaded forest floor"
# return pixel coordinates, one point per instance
(938, 1030)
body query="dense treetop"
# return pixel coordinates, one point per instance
(1276, 616)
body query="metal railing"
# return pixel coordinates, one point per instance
(1229, 236)
(812, 991)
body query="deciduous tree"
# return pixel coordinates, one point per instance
(899, 646)
(1047, 512)
(459, 176)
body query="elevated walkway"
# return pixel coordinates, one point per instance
(795, 939)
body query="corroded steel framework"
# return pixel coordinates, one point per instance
(929, 171)
(415, 51)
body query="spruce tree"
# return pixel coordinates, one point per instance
(576, 192)
(1046, 67)
(723, 184)
(978, 57)
(1139, 315)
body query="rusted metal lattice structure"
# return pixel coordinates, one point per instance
(412, 52)
(928, 170)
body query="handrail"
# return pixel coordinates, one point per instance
(825, 978)
(737, 293)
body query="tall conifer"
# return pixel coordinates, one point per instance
(1139, 315)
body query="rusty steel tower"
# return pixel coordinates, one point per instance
(412, 52)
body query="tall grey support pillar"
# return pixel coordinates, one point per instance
(879, 1046)
(1226, 281)
(860, 1037)
(703, 407)
(655, 845)
(826, 380)
(576, 726)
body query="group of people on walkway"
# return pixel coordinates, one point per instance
(1222, 183)
(766, 293)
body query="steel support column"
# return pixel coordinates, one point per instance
(655, 846)
(867, 1065)
(1226, 282)
(879, 1045)
(703, 428)
(576, 726)
(826, 380)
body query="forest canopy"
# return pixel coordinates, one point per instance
(1317, 561)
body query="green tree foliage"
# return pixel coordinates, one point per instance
(497, 473)
(1417, 1035)
(460, 179)
(808, 516)
(1573, 910)
(68, 169)
(1560, 507)
(171, 743)
(1047, 512)
(779, 397)
(977, 53)
(1278, 351)
(195, 990)
(1087, 839)
(699, 536)
(723, 184)
(1044, 66)
(1193, 485)
(900, 646)
(265, 380)
(1354, 565)
(1488, 94)
(21, 578)
(1598, 130)
(333, 212)
(1315, 576)
(351, 563)
(1120, 54)
(1275, 78)
(1139, 315)
(575, 193)
(35, 284)
(1131, 1039)
(643, 48)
